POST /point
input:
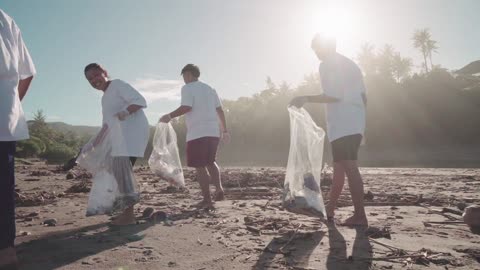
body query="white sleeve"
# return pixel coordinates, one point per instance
(329, 87)
(356, 86)
(187, 97)
(361, 83)
(218, 102)
(26, 68)
(131, 95)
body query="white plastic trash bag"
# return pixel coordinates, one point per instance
(302, 192)
(103, 194)
(114, 187)
(165, 159)
(97, 158)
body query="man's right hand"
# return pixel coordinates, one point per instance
(165, 119)
(298, 101)
(226, 137)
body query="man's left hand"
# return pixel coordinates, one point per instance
(298, 101)
(122, 115)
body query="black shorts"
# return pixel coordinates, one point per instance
(346, 148)
(202, 152)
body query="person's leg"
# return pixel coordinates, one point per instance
(214, 172)
(133, 160)
(336, 188)
(125, 181)
(355, 183)
(213, 168)
(7, 202)
(339, 153)
(123, 172)
(197, 157)
(204, 181)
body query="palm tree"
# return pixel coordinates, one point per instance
(422, 40)
(401, 67)
(431, 47)
(367, 59)
(385, 61)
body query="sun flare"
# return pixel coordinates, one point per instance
(335, 22)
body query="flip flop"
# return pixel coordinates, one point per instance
(204, 205)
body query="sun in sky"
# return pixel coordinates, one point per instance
(340, 22)
(336, 22)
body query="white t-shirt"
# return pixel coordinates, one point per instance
(129, 137)
(15, 64)
(202, 120)
(341, 78)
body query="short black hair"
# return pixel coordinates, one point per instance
(93, 66)
(192, 69)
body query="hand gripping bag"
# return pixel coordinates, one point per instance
(165, 159)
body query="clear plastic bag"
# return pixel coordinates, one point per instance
(96, 158)
(165, 159)
(302, 192)
(114, 187)
(103, 194)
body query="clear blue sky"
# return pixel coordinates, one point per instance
(237, 44)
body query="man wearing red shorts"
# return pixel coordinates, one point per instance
(206, 124)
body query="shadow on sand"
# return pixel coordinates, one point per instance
(361, 258)
(58, 249)
(297, 252)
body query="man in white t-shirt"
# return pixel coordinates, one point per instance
(206, 124)
(16, 73)
(344, 96)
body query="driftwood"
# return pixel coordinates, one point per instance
(392, 248)
(452, 211)
(390, 204)
(254, 230)
(249, 193)
(443, 222)
(292, 237)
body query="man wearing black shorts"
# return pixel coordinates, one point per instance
(206, 124)
(344, 96)
(16, 73)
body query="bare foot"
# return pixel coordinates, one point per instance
(219, 195)
(8, 258)
(124, 219)
(204, 204)
(356, 221)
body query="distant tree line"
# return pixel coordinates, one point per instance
(427, 108)
(408, 107)
(48, 143)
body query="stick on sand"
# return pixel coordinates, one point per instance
(292, 237)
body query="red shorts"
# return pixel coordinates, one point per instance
(202, 152)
